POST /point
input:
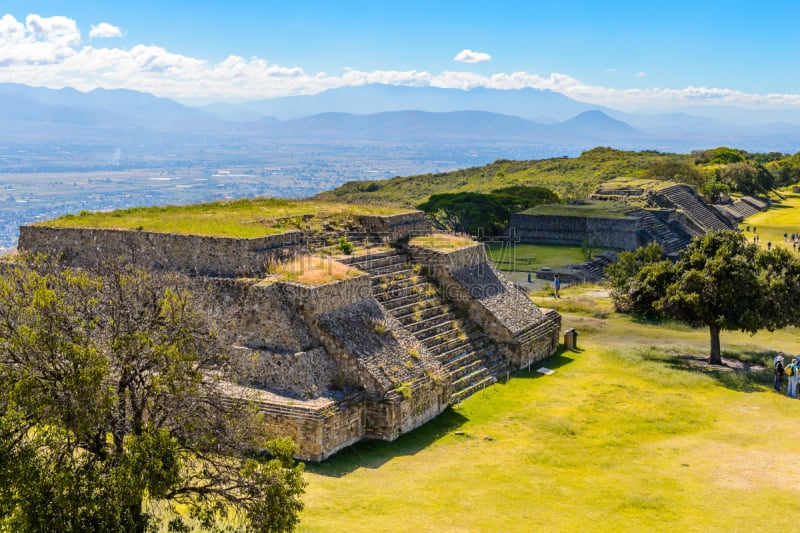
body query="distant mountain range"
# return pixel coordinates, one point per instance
(375, 113)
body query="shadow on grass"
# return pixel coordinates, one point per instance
(374, 453)
(742, 371)
(562, 357)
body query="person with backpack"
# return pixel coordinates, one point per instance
(778, 366)
(791, 371)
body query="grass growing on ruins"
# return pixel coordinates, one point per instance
(531, 257)
(240, 218)
(442, 242)
(587, 210)
(313, 270)
(631, 433)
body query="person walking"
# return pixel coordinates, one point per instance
(778, 368)
(557, 286)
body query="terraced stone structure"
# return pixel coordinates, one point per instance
(637, 212)
(371, 356)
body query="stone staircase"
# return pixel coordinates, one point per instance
(747, 206)
(469, 358)
(654, 229)
(682, 197)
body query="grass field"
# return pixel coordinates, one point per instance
(238, 218)
(782, 217)
(627, 435)
(530, 257)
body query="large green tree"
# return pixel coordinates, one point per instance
(472, 212)
(725, 283)
(113, 399)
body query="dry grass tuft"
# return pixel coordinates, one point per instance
(314, 270)
(442, 242)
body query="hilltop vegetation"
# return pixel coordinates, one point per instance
(241, 218)
(712, 172)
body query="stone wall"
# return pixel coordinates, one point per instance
(617, 233)
(320, 429)
(301, 375)
(203, 255)
(397, 227)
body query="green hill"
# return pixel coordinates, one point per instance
(570, 177)
(713, 171)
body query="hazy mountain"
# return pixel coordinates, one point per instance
(376, 113)
(56, 112)
(532, 104)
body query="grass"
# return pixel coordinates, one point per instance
(624, 436)
(571, 178)
(587, 210)
(313, 270)
(531, 257)
(774, 222)
(442, 242)
(240, 218)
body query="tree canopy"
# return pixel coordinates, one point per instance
(113, 398)
(720, 281)
(472, 212)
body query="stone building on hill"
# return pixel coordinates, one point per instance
(414, 326)
(626, 213)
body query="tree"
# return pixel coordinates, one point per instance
(471, 212)
(621, 275)
(725, 283)
(112, 397)
(747, 177)
(675, 171)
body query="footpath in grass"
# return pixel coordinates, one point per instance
(628, 434)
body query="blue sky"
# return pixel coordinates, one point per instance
(629, 55)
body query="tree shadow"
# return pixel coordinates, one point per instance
(374, 453)
(743, 371)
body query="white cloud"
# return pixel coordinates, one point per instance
(104, 30)
(641, 74)
(48, 52)
(468, 56)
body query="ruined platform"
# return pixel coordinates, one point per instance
(332, 359)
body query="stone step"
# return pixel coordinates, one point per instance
(395, 280)
(437, 328)
(408, 296)
(422, 303)
(441, 333)
(436, 348)
(371, 262)
(462, 394)
(415, 324)
(392, 269)
(421, 312)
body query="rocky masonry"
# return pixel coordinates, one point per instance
(371, 356)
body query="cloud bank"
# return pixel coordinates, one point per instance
(49, 52)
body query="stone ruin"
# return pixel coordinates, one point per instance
(370, 357)
(665, 212)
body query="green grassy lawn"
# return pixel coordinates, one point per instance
(240, 218)
(771, 224)
(530, 257)
(626, 435)
(588, 210)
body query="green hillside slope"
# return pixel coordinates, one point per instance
(714, 171)
(569, 177)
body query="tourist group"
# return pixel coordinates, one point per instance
(791, 372)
